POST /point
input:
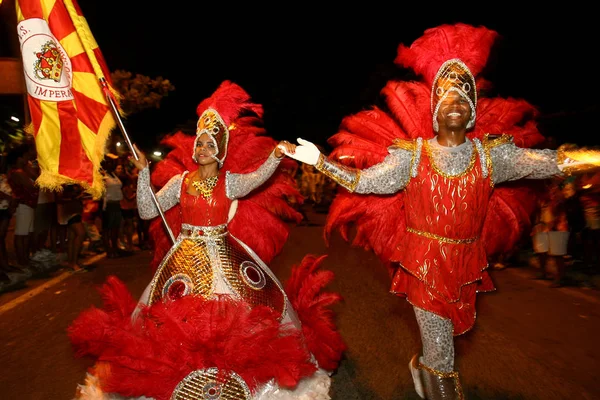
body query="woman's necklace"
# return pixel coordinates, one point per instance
(205, 186)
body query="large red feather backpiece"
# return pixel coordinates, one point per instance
(363, 138)
(260, 219)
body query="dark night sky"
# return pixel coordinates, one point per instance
(310, 67)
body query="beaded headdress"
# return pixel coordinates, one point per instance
(453, 76)
(217, 115)
(211, 123)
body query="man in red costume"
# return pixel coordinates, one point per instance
(441, 170)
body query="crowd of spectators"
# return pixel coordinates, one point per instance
(564, 242)
(56, 229)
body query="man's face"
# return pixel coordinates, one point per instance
(454, 111)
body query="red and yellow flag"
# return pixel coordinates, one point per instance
(71, 116)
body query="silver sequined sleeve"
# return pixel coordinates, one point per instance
(389, 176)
(167, 196)
(510, 162)
(239, 185)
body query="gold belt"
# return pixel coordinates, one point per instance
(430, 235)
(191, 231)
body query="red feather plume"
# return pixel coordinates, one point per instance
(470, 44)
(230, 100)
(364, 137)
(406, 100)
(314, 308)
(169, 340)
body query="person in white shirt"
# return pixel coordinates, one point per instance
(111, 208)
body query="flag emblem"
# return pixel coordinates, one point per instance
(49, 64)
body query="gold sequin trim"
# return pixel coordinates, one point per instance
(205, 186)
(409, 145)
(405, 144)
(443, 239)
(496, 141)
(320, 162)
(322, 167)
(490, 143)
(442, 173)
(435, 372)
(191, 231)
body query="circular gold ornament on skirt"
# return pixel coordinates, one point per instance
(211, 384)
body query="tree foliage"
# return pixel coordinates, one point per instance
(140, 92)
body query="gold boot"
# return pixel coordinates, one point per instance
(432, 384)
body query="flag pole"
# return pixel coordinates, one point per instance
(115, 111)
(88, 42)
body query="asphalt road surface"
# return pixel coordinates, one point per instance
(530, 341)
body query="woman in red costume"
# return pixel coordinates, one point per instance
(421, 183)
(215, 322)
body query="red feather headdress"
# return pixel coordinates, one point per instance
(217, 114)
(472, 45)
(363, 138)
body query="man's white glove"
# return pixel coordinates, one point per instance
(306, 152)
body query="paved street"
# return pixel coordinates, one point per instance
(530, 341)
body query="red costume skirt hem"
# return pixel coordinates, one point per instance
(460, 311)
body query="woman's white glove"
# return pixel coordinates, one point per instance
(306, 152)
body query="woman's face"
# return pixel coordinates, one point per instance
(205, 150)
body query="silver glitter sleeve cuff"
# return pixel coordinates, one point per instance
(387, 177)
(167, 196)
(239, 185)
(511, 162)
